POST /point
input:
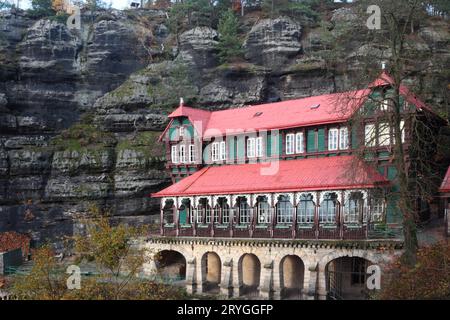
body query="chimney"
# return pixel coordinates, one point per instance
(181, 102)
(383, 65)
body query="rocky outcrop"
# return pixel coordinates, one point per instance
(272, 42)
(117, 79)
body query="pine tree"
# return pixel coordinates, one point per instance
(229, 46)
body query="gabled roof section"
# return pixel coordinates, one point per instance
(445, 186)
(385, 79)
(328, 173)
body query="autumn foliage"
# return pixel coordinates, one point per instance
(11, 240)
(428, 279)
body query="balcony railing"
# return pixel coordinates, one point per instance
(264, 231)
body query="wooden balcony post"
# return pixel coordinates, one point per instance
(341, 215)
(294, 223)
(316, 215)
(176, 218)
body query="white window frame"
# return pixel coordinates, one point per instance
(369, 135)
(251, 148)
(192, 153)
(333, 139)
(299, 142)
(181, 131)
(377, 210)
(290, 140)
(384, 104)
(174, 154)
(384, 134)
(343, 138)
(182, 156)
(223, 150)
(215, 151)
(259, 147)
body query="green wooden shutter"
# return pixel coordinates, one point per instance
(321, 139)
(311, 141)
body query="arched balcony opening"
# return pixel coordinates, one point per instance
(284, 211)
(262, 211)
(185, 212)
(244, 211)
(306, 209)
(204, 218)
(354, 208)
(329, 208)
(211, 267)
(292, 270)
(346, 278)
(168, 211)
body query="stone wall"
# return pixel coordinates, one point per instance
(273, 278)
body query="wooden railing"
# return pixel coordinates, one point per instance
(300, 231)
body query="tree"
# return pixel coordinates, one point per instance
(42, 8)
(118, 259)
(229, 45)
(428, 279)
(395, 44)
(46, 280)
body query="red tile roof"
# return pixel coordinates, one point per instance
(338, 172)
(279, 115)
(445, 186)
(324, 109)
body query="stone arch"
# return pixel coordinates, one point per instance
(170, 265)
(292, 272)
(343, 274)
(211, 265)
(249, 272)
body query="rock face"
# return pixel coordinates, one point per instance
(273, 42)
(81, 111)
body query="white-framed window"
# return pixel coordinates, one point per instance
(254, 147)
(223, 150)
(244, 212)
(290, 143)
(259, 146)
(250, 147)
(225, 214)
(384, 105)
(369, 135)
(353, 208)
(285, 210)
(333, 136)
(299, 142)
(263, 211)
(377, 209)
(182, 153)
(181, 131)
(343, 138)
(384, 134)
(215, 151)
(305, 209)
(174, 154)
(327, 211)
(208, 214)
(192, 153)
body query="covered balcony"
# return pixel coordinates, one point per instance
(331, 214)
(314, 198)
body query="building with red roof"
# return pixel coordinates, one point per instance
(268, 199)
